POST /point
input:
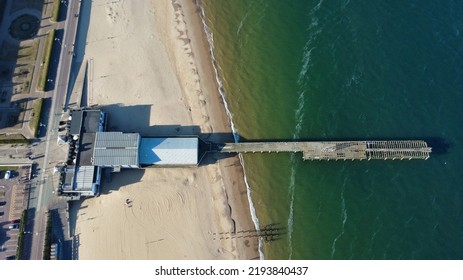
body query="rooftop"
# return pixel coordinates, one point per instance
(116, 149)
(86, 148)
(169, 151)
(85, 121)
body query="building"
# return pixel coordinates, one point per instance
(80, 177)
(116, 150)
(91, 149)
(181, 151)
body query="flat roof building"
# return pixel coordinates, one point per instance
(113, 149)
(169, 151)
(91, 149)
(80, 177)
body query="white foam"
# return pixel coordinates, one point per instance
(343, 217)
(317, 7)
(305, 64)
(292, 183)
(299, 116)
(242, 22)
(210, 39)
(252, 7)
(291, 191)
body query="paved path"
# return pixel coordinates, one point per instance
(52, 154)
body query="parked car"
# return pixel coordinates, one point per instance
(1, 214)
(7, 175)
(13, 226)
(2, 203)
(12, 257)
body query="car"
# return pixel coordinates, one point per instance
(1, 214)
(13, 226)
(15, 221)
(2, 203)
(12, 257)
(7, 175)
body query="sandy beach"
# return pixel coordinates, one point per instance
(151, 71)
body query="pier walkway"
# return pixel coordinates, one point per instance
(336, 150)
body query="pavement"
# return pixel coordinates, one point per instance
(44, 198)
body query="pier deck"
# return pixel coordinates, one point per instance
(337, 150)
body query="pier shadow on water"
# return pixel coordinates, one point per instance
(440, 146)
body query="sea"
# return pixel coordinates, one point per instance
(343, 70)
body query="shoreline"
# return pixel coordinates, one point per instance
(207, 37)
(204, 50)
(175, 93)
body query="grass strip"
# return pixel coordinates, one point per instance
(35, 116)
(21, 235)
(6, 168)
(13, 139)
(46, 60)
(55, 12)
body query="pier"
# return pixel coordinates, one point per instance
(336, 150)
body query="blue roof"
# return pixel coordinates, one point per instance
(169, 151)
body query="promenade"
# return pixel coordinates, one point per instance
(43, 152)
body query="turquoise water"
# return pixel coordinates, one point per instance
(348, 70)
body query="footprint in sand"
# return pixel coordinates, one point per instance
(185, 41)
(181, 197)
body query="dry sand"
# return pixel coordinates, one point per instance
(152, 73)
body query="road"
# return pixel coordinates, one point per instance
(44, 194)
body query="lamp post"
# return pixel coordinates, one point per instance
(59, 42)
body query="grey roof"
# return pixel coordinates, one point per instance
(91, 121)
(69, 180)
(76, 122)
(80, 179)
(85, 121)
(84, 178)
(169, 151)
(116, 148)
(116, 140)
(86, 147)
